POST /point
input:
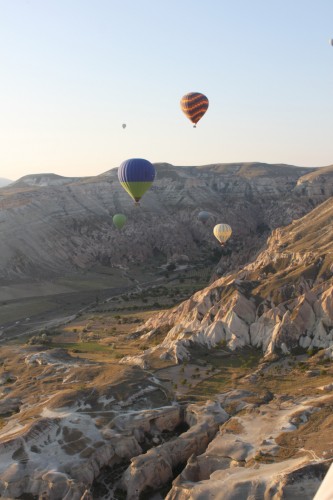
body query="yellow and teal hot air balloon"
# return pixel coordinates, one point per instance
(136, 176)
(119, 220)
(222, 232)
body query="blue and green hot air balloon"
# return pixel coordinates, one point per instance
(136, 175)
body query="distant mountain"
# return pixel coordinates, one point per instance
(4, 182)
(44, 180)
(50, 225)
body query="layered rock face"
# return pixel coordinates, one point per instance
(50, 225)
(282, 300)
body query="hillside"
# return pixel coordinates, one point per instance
(50, 225)
(281, 301)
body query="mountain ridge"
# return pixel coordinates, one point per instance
(43, 180)
(67, 226)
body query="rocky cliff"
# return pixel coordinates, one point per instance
(281, 301)
(51, 224)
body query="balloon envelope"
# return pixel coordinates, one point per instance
(203, 216)
(222, 232)
(119, 220)
(194, 105)
(136, 175)
(124, 125)
(331, 41)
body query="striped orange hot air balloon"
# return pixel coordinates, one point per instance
(194, 105)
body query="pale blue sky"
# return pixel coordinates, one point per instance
(72, 71)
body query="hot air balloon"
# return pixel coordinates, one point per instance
(203, 216)
(194, 105)
(119, 220)
(331, 41)
(124, 125)
(222, 232)
(136, 175)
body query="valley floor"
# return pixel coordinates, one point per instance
(77, 422)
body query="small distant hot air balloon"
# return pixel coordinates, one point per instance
(194, 105)
(331, 41)
(203, 216)
(124, 125)
(136, 175)
(222, 233)
(119, 220)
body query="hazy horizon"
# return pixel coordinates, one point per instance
(180, 166)
(73, 73)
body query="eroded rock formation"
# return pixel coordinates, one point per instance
(282, 300)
